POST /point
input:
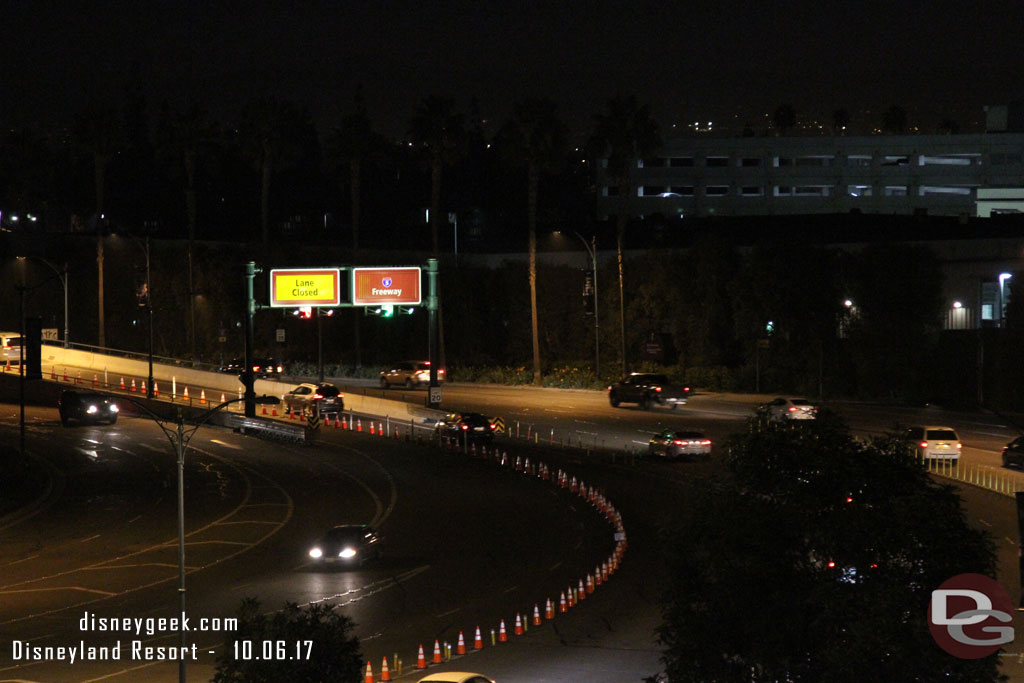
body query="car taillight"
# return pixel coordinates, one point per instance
(493, 426)
(657, 388)
(923, 444)
(465, 426)
(959, 445)
(679, 442)
(280, 369)
(317, 397)
(705, 442)
(792, 409)
(440, 371)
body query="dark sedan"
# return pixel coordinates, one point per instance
(467, 426)
(1013, 453)
(86, 408)
(347, 544)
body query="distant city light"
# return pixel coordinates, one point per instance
(957, 305)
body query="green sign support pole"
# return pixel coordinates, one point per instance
(432, 306)
(248, 380)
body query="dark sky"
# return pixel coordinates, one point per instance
(688, 59)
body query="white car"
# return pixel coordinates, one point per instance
(935, 442)
(791, 408)
(456, 677)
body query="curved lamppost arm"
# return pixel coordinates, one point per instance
(180, 439)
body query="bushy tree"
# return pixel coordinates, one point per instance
(815, 562)
(335, 655)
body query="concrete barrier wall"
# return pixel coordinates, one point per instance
(111, 369)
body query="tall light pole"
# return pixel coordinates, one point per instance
(180, 437)
(592, 251)
(144, 245)
(63, 276)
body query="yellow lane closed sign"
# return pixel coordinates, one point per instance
(305, 287)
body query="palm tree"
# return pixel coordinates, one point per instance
(624, 134)
(99, 131)
(184, 137)
(269, 135)
(840, 121)
(439, 129)
(353, 141)
(784, 118)
(894, 120)
(537, 138)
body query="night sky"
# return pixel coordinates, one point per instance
(723, 61)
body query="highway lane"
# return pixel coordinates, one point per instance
(498, 543)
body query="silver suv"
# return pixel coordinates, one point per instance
(409, 373)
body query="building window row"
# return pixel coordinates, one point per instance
(855, 190)
(827, 160)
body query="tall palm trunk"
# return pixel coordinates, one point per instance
(532, 180)
(356, 170)
(99, 175)
(620, 238)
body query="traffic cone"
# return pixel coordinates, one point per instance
(53, 372)
(143, 389)
(95, 381)
(385, 674)
(571, 602)
(478, 642)
(344, 422)
(549, 610)
(437, 652)
(264, 410)
(536, 615)
(562, 606)
(380, 429)
(184, 396)
(421, 661)
(359, 424)
(502, 635)
(133, 383)
(202, 396)
(65, 374)
(291, 414)
(519, 625)
(590, 583)
(396, 434)
(302, 416)
(372, 427)
(460, 648)
(581, 593)
(223, 398)
(369, 674)
(337, 422)
(597, 576)
(156, 389)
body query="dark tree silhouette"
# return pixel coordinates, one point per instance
(784, 119)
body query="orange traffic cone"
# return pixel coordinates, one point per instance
(359, 424)
(549, 610)
(571, 602)
(372, 428)
(184, 396)
(421, 661)
(53, 371)
(590, 583)
(224, 399)
(581, 593)
(344, 422)
(302, 416)
(502, 635)
(385, 674)
(380, 429)
(95, 381)
(337, 422)
(536, 615)
(519, 625)
(460, 648)
(597, 576)
(264, 410)
(562, 607)
(437, 652)
(291, 414)
(143, 389)
(202, 396)
(133, 383)
(65, 374)
(156, 389)
(369, 674)
(122, 384)
(478, 642)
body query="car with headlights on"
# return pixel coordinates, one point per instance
(86, 407)
(327, 398)
(679, 444)
(646, 389)
(456, 677)
(934, 442)
(468, 426)
(351, 544)
(409, 373)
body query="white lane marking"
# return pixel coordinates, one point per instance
(226, 444)
(9, 564)
(984, 522)
(152, 448)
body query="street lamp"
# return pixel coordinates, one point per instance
(144, 245)
(180, 439)
(592, 251)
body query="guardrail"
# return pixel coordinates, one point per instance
(996, 479)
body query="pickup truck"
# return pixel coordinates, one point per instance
(647, 389)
